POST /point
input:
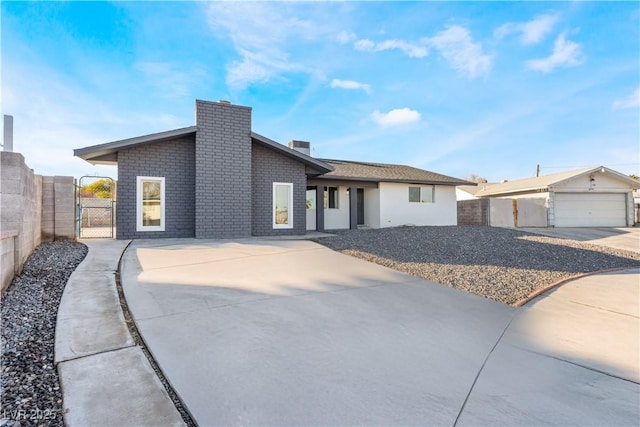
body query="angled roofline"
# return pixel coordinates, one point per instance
(106, 149)
(601, 169)
(549, 186)
(319, 165)
(397, 180)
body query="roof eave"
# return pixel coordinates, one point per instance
(315, 164)
(394, 180)
(95, 152)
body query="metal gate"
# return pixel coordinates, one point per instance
(95, 207)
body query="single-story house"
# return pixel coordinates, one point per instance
(591, 197)
(218, 179)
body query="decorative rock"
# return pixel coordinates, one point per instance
(502, 264)
(31, 392)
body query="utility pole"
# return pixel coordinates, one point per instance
(537, 170)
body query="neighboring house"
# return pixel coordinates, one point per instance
(218, 179)
(593, 197)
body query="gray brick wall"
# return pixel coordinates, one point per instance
(173, 160)
(270, 167)
(222, 170)
(473, 212)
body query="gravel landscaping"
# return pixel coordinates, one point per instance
(502, 264)
(31, 392)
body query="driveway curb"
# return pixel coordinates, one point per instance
(561, 282)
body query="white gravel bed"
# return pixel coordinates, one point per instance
(505, 265)
(31, 392)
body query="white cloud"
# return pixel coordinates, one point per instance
(412, 50)
(350, 84)
(397, 117)
(345, 37)
(531, 32)
(457, 47)
(260, 32)
(565, 54)
(632, 101)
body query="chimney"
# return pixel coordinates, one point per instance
(302, 146)
(7, 139)
(222, 170)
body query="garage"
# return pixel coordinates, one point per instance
(590, 210)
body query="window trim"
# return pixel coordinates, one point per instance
(290, 209)
(336, 199)
(422, 187)
(139, 194)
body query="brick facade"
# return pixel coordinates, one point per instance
(222, 170)
(269, 167)
(174, 160)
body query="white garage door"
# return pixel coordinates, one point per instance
(590, 210)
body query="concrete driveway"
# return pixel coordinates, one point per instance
(619, 238)
(261, 332)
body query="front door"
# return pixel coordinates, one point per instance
(311, 209)
(360, 202)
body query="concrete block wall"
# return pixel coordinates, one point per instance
(269, 167)
(173, 160)
(473, 212)
(32, 209)
(223, 170)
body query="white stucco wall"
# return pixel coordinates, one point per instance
(463, 195)
(372, 207)
(395, 209)
(602, 182)
(337, 219)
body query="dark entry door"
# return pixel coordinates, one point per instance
(360, 206)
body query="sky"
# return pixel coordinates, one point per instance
(459, 88)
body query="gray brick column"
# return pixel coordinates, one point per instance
(223, 170)
(319, 208)
(353, 208)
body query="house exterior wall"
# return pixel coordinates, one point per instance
(372, 207)
(396, 210)
(463, 195)
(337, 219)
(269, 167)
(601, 183)
(222, 170)
(173, 160)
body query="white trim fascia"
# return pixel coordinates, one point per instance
(139, 226)
(290, 208)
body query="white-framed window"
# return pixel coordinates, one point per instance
(423, 194)
(331, 198)
(282, 205)
(150, 203)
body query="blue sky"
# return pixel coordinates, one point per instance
(489, 88)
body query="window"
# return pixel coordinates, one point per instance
(421, 194)
(150, 203)
(331, 197)
(282, 205)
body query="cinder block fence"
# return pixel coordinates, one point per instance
(33, 208)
